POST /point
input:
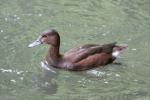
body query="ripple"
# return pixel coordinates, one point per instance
(6, 19)
(117, 75)
(96, 73)
(6, 70)
(106, 82)
(39, 15)
(134, 49)
(14, 81)
(21, 78)
(18, 18)
(45, 66)
(1, 31)
(12, 71)
(15, 15)
(135, 80)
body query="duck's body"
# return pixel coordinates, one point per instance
(78, 59)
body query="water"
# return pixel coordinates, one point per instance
(78, 22)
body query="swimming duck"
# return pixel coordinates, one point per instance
(77, 59)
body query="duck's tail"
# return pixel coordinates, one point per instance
(119, 48)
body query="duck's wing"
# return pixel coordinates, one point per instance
(83, 52)
(75, 51)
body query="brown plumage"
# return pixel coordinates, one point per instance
(78, 59)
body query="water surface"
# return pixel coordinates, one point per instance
(78, 22)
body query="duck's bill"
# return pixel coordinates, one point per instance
(35, 43)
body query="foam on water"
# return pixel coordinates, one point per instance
(96, 73)
(12, 71)
(14, 81)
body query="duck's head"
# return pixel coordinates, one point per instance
(49, 36)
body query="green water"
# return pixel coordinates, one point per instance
(78, 22)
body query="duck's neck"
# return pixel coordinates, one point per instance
(54, 53)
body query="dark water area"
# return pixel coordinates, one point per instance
(78, 22)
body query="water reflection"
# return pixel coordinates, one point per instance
(45, 81)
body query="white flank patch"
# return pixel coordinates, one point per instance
(115, 53)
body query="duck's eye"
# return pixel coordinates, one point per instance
(44, 36)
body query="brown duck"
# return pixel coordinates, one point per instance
(78, 59)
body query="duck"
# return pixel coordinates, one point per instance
(82, 58)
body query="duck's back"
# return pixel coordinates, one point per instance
(79, 50)
(77, 54)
